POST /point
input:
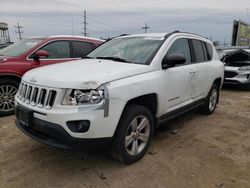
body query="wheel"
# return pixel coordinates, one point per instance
(8, 89)
(211, 100)
(133, 135)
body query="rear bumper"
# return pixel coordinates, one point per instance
(54, 135)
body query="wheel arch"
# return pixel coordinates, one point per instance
(149, 101)
(11, 77)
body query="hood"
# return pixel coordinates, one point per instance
(236, 55)
(237, 58)
(83, 74)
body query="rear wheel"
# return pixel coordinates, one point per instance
(133, 135)
(211, 100)
(8, 90)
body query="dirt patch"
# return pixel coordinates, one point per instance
(190, 151)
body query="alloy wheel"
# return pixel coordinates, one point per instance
(213, 99)
(137, 135)
(7, 97)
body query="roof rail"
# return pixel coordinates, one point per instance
(169, 34)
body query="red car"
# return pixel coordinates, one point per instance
(34, 52)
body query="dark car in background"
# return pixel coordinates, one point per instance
(34, 52)
(2, 46)
(237, 65)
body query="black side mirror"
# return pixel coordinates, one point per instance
(172, 60)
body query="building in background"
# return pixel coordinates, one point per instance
(241, 33)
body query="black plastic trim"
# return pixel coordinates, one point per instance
(55, 135)
(182, 110)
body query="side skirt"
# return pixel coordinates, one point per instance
(178, 112)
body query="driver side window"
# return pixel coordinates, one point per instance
(57, 49)
(181, 46)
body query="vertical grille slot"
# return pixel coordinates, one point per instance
(34, 97)
(24, 92)
(50, 100)
(41, 98)
(29, 90)
(20, 90)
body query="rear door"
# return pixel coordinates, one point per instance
(202, 53)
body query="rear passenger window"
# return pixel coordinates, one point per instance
(81, 49)
(209, 51)
(181, 46)
(198, 51)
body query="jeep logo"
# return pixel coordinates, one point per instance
(33, 80)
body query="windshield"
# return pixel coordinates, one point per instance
(20, 47)
(139, 50)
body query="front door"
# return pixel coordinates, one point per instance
(59, 51)
(179, 80)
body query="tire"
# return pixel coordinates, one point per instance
(8, 89)
(129, 127)
(211, 100)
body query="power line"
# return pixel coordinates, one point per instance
(146, 27)
(85, 23)
(19, 30)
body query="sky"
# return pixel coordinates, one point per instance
(107, 18)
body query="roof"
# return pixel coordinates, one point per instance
(66, 36)
(74, 36)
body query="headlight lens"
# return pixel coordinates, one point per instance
(244, 68)
(81, 97)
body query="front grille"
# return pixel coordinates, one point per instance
(36, 96)
(230, 74)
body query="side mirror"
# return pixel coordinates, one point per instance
(172, 60)
(40, 54)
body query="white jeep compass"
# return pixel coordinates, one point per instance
(120, 92)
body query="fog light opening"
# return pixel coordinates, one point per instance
(79, 126)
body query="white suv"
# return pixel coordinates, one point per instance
(120, 93)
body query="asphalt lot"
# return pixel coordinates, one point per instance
(206, 151)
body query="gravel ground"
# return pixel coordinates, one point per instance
(190, 151)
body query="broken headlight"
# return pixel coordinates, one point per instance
(244, 68)
(81, 97)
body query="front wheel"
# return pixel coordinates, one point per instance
(134, 133)
(211, 100)
(8, 90)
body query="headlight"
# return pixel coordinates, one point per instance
(81, 97)
(244, 68)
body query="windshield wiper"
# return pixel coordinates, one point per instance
(114, 59)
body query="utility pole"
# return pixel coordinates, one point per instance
(146, 27)
(72, 25)
(19, 30)
(85, 24)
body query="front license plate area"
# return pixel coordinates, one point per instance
(24, 116)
